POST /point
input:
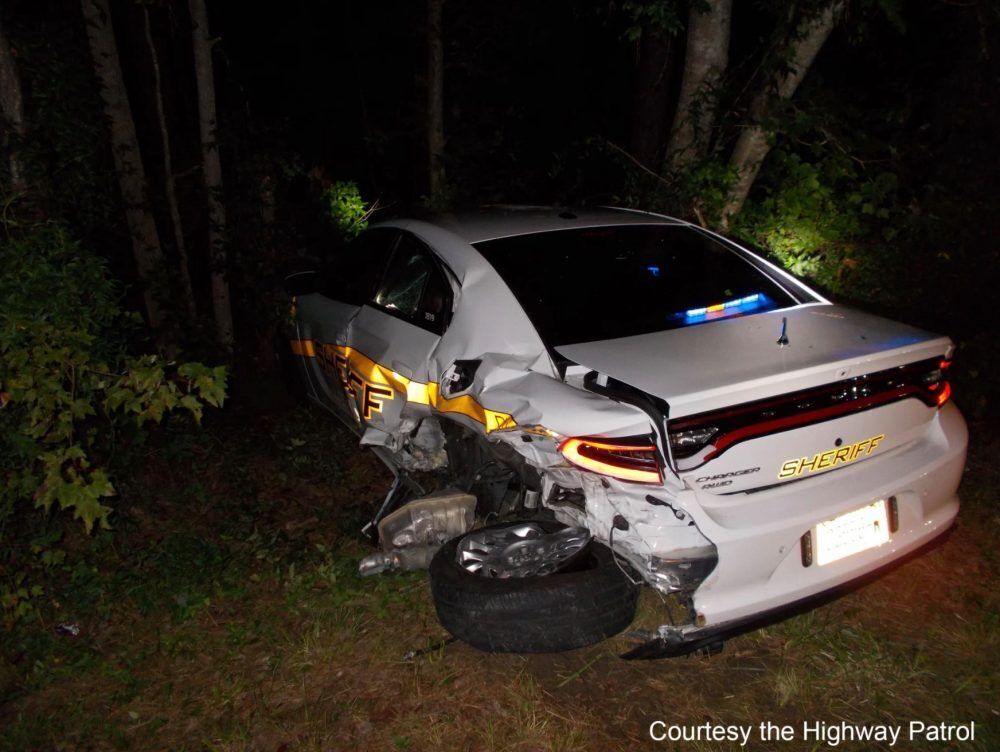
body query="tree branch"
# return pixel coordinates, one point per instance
(638, 164)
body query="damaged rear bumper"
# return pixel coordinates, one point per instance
(673, 642)
(759, 536)
(753, 569)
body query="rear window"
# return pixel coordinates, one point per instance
(591, 284)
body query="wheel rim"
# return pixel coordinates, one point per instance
(524, 549)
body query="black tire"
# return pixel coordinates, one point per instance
(589, 602)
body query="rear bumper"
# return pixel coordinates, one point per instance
(672, 642)
(760, 567)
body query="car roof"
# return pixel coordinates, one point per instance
(503, 221)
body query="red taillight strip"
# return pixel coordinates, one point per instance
(944, 394)
(813, 416)
(771, 415)
(575, 450)
(869, 380)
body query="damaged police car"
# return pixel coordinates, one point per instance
(576, 403)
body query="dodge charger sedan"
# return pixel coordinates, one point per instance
(577, 403)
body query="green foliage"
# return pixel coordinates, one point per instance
(66, 380)
(16, 598)
(665, 16)
(346, 208)
(827, 218)
(706, 186)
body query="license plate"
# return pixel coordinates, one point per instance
(852, 533)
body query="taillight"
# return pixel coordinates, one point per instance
(720, 429)
(937, 384)
(690, 441)
(628, 459)
(945, 394)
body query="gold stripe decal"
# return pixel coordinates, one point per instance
(350, 366)
(303, 347)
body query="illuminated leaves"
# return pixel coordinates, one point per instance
(347, 208)
(822, 216)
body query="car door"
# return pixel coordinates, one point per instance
(391, 339)
(324, 316)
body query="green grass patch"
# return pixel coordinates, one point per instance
(227, 613)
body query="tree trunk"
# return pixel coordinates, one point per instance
(168, 173)
(705, 60)
(268, 214)
(212, 173)
(12, 114)
(755, 142)
(650, 99)
(125, 149)
(435, 99)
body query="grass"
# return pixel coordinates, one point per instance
(225, 613)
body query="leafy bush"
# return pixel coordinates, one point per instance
(346, 208)
(67, 380)
(825, 219)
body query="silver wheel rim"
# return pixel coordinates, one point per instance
(523, 549)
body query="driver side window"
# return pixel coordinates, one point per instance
(414, 287)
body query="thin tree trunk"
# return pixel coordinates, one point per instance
(125, 148)
(435, 99)
(705, 60)
(12, 113)
(651, 96)
(212, 172)
(168, 173)
(754, 143)
(268, 214)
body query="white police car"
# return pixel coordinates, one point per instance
(603, 397)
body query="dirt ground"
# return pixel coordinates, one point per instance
(225, 613)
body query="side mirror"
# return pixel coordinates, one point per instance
(302, 283)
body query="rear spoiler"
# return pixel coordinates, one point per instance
(657, 409)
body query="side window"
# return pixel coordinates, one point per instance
(352, 274)
(435, 308)
(414, 287)
(402, 287)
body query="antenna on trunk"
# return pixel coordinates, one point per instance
(783, 339)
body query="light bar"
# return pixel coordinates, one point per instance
(746, 303)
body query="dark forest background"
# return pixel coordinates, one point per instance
(881, 186)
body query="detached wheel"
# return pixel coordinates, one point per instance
(530, 587)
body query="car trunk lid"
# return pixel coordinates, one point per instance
(833, 391)
(731, 361)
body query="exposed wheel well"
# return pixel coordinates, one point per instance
(492, 471)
